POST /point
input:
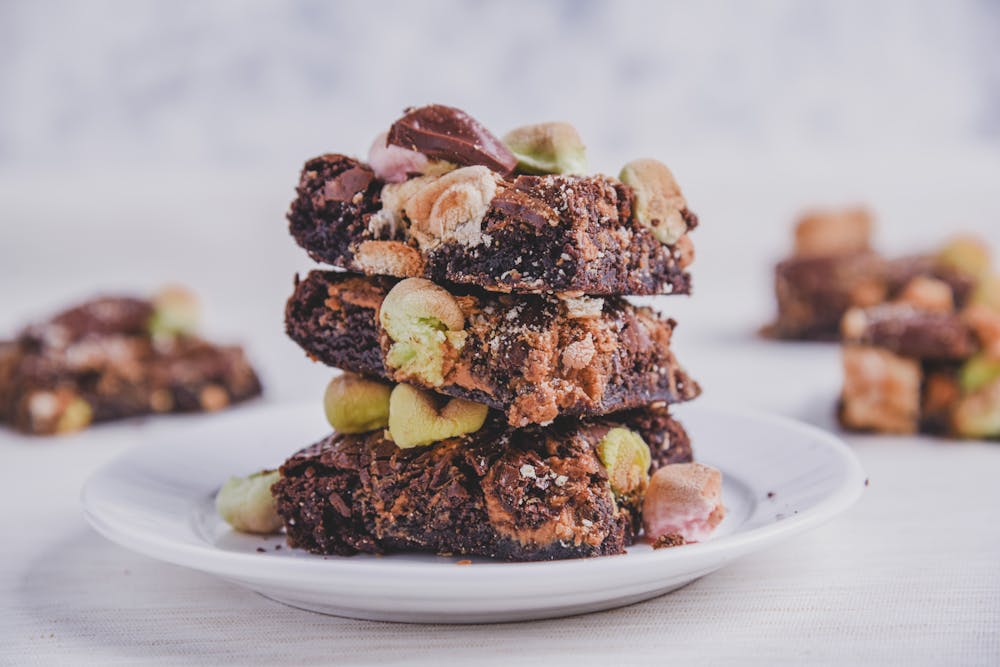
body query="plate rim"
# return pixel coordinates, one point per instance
(206, 558)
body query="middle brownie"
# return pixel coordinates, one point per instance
(532, 357)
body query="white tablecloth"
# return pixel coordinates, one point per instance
(910, 575)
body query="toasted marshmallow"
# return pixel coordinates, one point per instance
(683, 499)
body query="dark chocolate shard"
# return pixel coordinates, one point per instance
(348, 185)
(446, 133)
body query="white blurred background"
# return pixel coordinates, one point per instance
(153, 141)
(255, 83)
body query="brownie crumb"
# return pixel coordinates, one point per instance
(770, 494)
(669, 540)
(261, 550)
(867, 482)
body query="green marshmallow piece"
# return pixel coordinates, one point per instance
(547, 148)
(978, 372)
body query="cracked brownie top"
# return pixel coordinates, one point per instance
(442, 198)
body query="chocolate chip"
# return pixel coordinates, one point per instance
(338, 504)
(446, 133)
(346, 185)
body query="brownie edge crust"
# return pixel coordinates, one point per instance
(539, 493)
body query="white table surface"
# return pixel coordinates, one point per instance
(910, 575)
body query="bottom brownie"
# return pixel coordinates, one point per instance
(539, 493)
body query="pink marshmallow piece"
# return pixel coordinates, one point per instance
(394, 164)
(684, 499)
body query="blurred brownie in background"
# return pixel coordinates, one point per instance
(834, 268)
(925, 363)
(115, 357)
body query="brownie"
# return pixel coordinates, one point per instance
(98, 361)
(813, 293)
(538, 493)
(909, 369)
(538, 234)
(530, 356)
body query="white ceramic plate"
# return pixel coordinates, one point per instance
(781, 478)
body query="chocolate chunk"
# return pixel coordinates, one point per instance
(446, 133)
(347, 185)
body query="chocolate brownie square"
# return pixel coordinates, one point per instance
(112, 358)
(538, 493)
(533, 357)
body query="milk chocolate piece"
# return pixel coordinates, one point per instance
(446, 133)
(346, 186)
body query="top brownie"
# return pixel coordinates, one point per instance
(442, 198)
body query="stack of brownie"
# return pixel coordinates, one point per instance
(500, 396)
